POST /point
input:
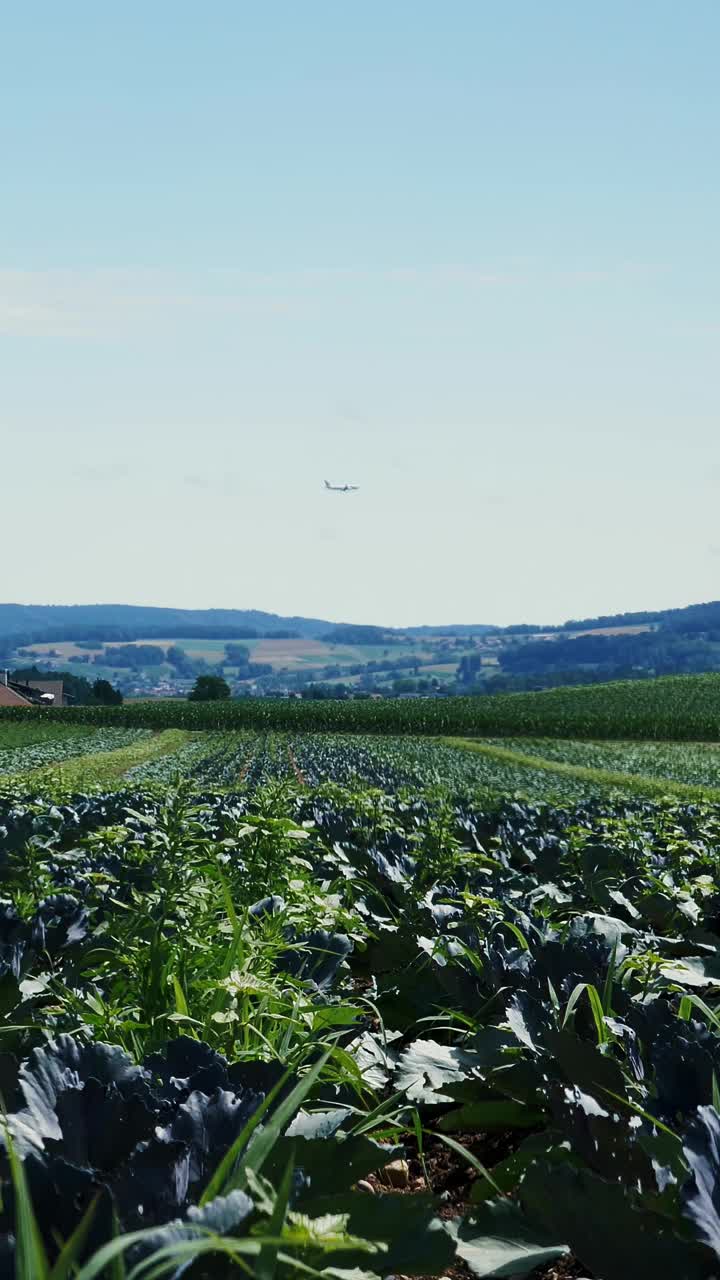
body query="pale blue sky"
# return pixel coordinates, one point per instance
(463, 254)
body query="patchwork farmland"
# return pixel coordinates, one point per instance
(166, 666)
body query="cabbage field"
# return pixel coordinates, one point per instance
(303, 1004)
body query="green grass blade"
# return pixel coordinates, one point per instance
(117, 1270)
(639, 1111)
(596, 1007)
(103, 1262)
(266, 1265)
(369, 1120)
(30, 1260)
(69, 1255)
(697, 1002)
(267, 1136)
(685, 1009)
(472, 1160)
(227, 898)
(608, 984)
(181, 1005)
(575, 995)
(227, 1164)
(166, 1261)
(598, 1013)
(219, 1179)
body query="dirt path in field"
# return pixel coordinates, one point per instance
(245, 767)
(299, 775)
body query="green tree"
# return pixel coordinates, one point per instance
(184, 665)
(404, 684)
(105, 693)
(237, 655)
(209, 689)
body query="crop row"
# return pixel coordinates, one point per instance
(415, 764)
(28, 731)
(205, 758)
(672, 707)
(546, 770)
(565, 773)
(57, 747)
(550, 771)
(689, 762)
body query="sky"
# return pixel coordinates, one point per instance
(464, 255)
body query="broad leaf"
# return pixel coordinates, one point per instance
(497, 1240)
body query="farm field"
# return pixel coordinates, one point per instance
(356, 1006)
(291, 654)
(635, 629)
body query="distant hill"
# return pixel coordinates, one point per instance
(691, 618)
(30, 623)
(688, 619)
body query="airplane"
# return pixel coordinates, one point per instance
(341, 488)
